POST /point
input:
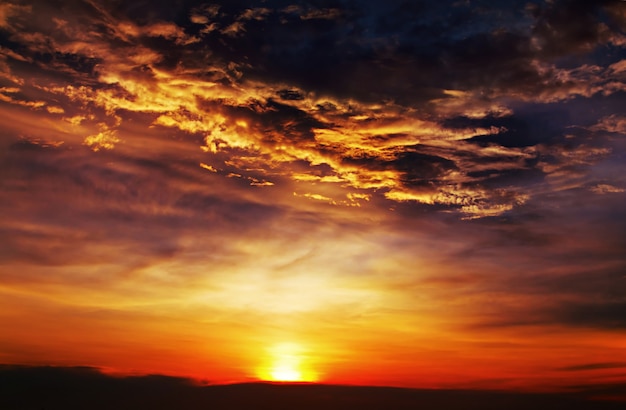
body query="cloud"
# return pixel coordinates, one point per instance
(608, 314)
(254, 14)
(235, 29)
(555, 34)
(593, 366)
(606, 189)
(308, 13)
(140, 78)
(9, 10)
(612, 123)
(169, 31)
(105, 139)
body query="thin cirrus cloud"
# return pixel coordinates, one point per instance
(408, 171)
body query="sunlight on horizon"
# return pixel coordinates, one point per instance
(287, 362)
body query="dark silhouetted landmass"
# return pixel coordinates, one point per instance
(51, 388)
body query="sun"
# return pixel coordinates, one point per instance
(285, 372)
(287, 362)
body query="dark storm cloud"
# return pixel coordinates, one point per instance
(282, 121)
(382, 46)
(367, 52)
(415, 168)
(520, 130)
(327, 48)
(290, 95)
(290, 122)
(387, 48)
(571, 26)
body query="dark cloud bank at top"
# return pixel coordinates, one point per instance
(486, 110)
(465, 105)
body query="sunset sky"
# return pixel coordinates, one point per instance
(397, 193)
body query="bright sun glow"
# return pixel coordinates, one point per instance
(286, 372)
(287, 362)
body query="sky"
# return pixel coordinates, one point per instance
(402, 193)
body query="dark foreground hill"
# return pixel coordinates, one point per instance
(52, 388)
